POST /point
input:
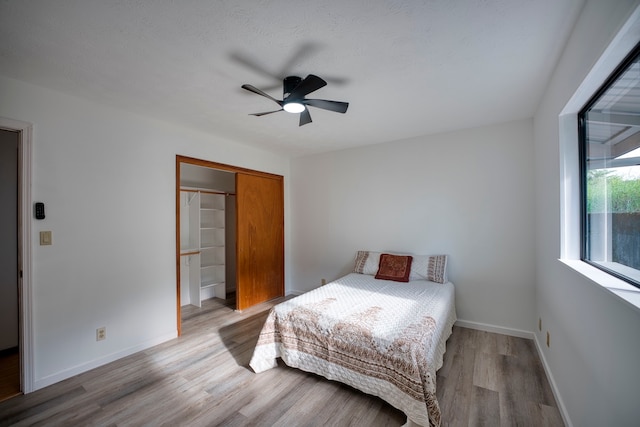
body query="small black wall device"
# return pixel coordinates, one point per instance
(39, 209)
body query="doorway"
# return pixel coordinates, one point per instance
(24, 132)
(254, 210)
(9, 265)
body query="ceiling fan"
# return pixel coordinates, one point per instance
(293, 99)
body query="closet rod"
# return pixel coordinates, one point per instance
(189, 253)
(190, 190)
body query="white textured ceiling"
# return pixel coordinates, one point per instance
(407, 68)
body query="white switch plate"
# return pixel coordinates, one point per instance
(45, 238)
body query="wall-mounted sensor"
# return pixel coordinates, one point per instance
(39, 210)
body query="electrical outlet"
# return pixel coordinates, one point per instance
(101, 333)
(540, 324)
(547, 338)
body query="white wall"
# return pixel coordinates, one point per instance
(466, 194)
(107, 178)
(593, 357)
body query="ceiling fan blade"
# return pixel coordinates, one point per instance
(306, 86)
(265, 113)
(305, 117)
(254, 65)
(337, 106)
(259, 92)
(302, 53)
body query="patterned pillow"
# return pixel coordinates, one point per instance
(429, 267)
(423, 267)
(367, 262)
(437, 271)
(394, 267)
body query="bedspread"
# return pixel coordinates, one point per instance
(384, 338)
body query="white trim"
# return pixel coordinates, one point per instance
(552, 382)
(92, 364)
(570, 188)
(295, 293)
(25, 290)
(495, 329)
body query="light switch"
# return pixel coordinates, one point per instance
(45, 238)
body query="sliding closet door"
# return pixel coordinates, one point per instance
(260, 239)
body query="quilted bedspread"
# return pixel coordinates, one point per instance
(382, 337)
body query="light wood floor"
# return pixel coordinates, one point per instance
(202, 379)
(9, 373)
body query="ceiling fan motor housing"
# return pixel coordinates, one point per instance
(288, 84)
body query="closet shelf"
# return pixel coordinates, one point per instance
(210, 284)
(203, 266)
(204, 247)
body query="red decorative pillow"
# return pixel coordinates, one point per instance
(394, 267)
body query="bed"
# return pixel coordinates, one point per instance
(379, 336)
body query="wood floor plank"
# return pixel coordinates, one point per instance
(52, 400)
(68, 414)
(310, 403)
(203, 379)
(277, 384)
(486, 372)
(288, 400)
(484, 408)
(546, 416)
(456, 389)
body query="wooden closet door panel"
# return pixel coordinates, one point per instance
(260, 239)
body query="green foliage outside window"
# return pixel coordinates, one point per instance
(611, 193)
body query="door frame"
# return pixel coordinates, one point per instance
(212, 165)
(25, 291)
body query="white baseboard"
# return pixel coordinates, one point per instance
(552, 382)
(295, 293)
(84, 367)
(495, 329)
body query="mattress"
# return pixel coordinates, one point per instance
(382, 337)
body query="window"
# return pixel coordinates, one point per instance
(609, 129)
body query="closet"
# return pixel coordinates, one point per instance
(229, 234)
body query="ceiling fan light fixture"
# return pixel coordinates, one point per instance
(293, 107)
(294, 92)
